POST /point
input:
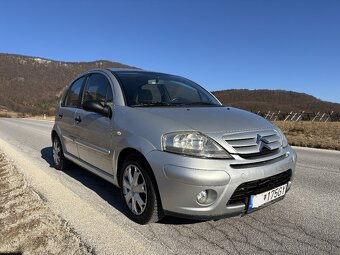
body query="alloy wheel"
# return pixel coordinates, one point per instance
(56, 152)
(134, 189)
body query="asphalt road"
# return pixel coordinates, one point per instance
(307, 221)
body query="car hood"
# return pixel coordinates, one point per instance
(211, 119)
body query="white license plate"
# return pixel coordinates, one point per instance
(265, 197)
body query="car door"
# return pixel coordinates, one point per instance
(66, 116)
(95, 130)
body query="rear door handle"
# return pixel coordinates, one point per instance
(60, 116)
(78, 119)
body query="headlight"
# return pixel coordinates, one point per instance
(284, 141)
(193, 144)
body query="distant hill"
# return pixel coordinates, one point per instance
(274, 100)
(34, 85)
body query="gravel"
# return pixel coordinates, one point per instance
(27, 224)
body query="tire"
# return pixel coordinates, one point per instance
(139, 191)
(59, 160)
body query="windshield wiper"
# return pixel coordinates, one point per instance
(200, 103)
(151, 104)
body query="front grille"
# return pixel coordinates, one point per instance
(245, 190)
(254, 143)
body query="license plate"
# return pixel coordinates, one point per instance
(266, 197)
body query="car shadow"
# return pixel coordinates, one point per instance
(106, 190)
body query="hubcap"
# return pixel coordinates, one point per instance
(56, 152)
(134, 189)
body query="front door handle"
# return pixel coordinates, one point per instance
(78, 119)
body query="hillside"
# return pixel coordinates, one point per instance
(274, 100)
(32, 85)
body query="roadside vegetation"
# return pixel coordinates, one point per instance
(325, 135)
(27, 225)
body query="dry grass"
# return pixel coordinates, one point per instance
(27, 225)
(325, 135)
(41, 117)
(10, 114)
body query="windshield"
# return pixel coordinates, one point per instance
(144, 89)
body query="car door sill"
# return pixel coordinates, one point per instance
(103, 174)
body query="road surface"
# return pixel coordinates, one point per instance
(307, 221)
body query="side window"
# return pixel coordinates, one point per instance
(98, 88)
(72, 98)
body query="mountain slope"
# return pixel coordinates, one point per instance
(274, 100)
(34, 85)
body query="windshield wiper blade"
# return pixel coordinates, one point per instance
(151, 104)
(200, 103)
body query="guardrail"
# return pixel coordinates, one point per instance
(300, 116)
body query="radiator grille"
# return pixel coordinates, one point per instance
(255, 143)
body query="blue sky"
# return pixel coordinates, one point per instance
(254, 44)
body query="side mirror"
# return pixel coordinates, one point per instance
(97, 107)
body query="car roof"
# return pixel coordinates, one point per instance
(122, 70)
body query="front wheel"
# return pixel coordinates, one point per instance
(139, 191)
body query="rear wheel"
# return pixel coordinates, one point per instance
(59, 159)
(139, 192)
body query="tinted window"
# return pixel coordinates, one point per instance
(177, 90)
(157, 89)
(72, 98)
(98, 88)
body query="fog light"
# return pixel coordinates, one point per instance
(202, 197)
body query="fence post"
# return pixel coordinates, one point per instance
(322, 117)
(288, 116)
(267, 114)
(300, 116)
(293, 116)
(329, 116)
(317, 115)
(277, 116)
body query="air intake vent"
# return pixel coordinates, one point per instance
(245, 190)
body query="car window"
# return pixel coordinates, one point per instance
(182, 91)
(157, 89)
(150, 91)
(72, 98)
(98, 88)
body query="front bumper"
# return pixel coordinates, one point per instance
(181, 178)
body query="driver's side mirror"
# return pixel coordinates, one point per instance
(97, 107)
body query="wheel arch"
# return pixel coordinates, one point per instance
(122, 156)
(53, 134)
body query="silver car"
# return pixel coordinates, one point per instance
(170, 145)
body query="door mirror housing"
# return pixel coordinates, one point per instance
(97, 107)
